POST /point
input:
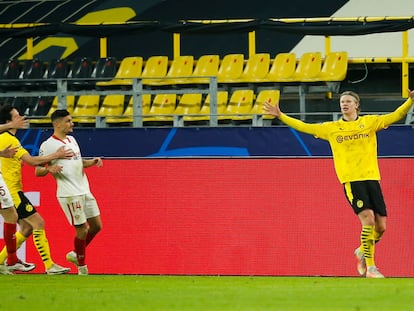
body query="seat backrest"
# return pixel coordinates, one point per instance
(70, 104)
(270, 96)
(146, 105)
(155, 67)
(231, 67)
(130, 67)
(40, 106)
(11, 70)
(334, 67)
(56, 69)
(283, 67)
(257, 66)
(222, 99)
(241, 101)
(181, 66)
(87, 105)
(32, 69)
(80, 68)
(163, 104)
(189, 104)
(207, 65)
(113, 104)
(104, 68)
(309, 66)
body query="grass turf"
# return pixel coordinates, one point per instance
(129, 292)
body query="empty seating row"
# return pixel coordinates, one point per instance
(241, 105)
(157, 71)
(233, 68)
(34, 74)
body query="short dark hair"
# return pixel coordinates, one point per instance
(58, 114)
(5, 113)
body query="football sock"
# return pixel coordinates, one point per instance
(20, 238)
(367, 243)
(89, 238)
(377, 236)
(80, 246)
(9, 251)
(42, 245)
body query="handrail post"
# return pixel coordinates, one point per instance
(213, 100)
(61, 93)
(137, 102)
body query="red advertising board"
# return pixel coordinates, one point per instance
(245, 216)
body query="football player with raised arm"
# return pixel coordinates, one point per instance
(353, 142)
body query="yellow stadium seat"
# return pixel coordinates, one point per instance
(155, 67)
(206, 66)
(270, 96)
(282, 69)
(239, 106)
(162, 108)
(127, 116)
(231, 68)
(181, 67)
(112, 105)
(86, 109)
(334, 68)
(308, 68)
(188, 106)
(257, 67)
(130, 67)
(222, 98)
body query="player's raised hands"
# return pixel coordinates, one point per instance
(268, 108)
(19, 123)
(411, 94)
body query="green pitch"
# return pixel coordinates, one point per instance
(197, 293)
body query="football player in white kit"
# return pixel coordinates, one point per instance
(73, 192)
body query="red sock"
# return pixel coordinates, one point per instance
(9, 233)
(80, 246)
(89, 238)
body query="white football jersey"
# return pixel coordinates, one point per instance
(72, 180)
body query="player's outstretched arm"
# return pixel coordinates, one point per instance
(61, 153)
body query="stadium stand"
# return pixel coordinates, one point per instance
(130, 67)
(162, 109)
(80, 73)
(44, 119)
(181, 67)
(256, 68)
(270, 96)
(231, 68)
(239, 106)
(127, 116)
(155, 67)
(188, 105)
(222, 98)
(55, 69)
(308, 68)
(282, 69)
(334, 68)
(86, 109)
(112, 105)
(206, 66)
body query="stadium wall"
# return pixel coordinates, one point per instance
(270, 211)
(233, 216)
